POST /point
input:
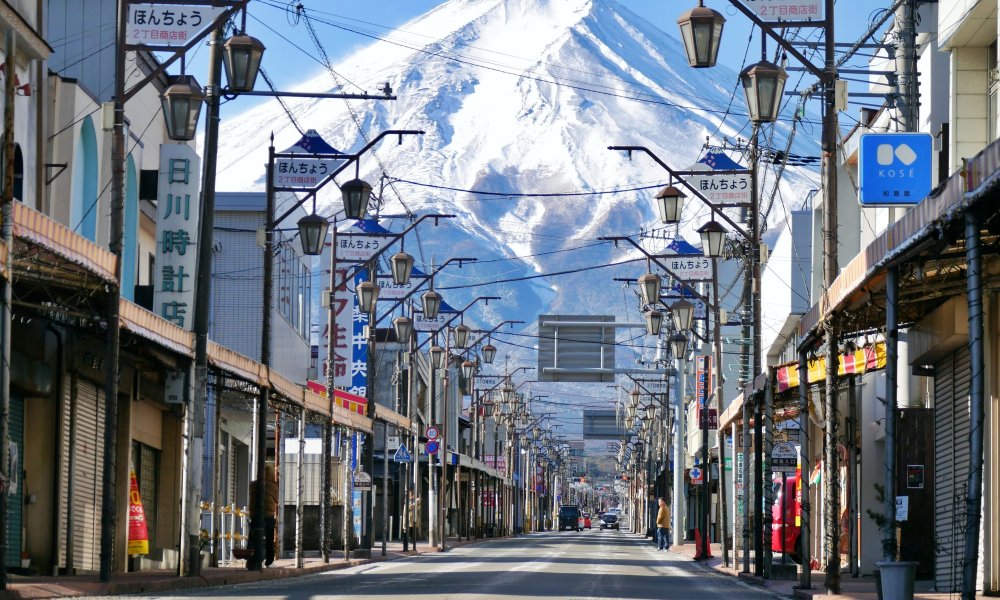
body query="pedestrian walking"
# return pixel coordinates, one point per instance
(663, 526)
(270, 510)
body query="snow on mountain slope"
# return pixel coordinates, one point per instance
(515, 97)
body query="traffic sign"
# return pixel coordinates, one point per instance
(432, 447)
(784, 458)
(402, 455)
(362, 482)
(696, 476)
(432, 433)
(895, 168)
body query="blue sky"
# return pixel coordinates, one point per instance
(269, 22)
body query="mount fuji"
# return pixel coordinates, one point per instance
(519, 100)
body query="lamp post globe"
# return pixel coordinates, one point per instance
(713, 238)
(764, 85)
(468, 370)
(654, 322)
(536, 432)
(431, 301)
(649, 287)
(683, 312)
(401, 265)
(403, 326)
(678, 345)
(670, 201)
(242, 61)
(461, 333)
(489, 353)
(437, 356)
(634, 397)
(181, 108)
(701, 31)
(507, 394)
(367, 292)
(629, 422)
(312, 233)
(356, 194)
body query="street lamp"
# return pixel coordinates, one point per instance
(678, 345)
(367, 292)
(181, 108)
(432, 304)
(489, 353)
(507, 394)
(312, 232)
(713, 238)
(654, 322)
(468, 370)
(670, 201)
(403, 326)
(401, 265)
(683, 312)
(701, 30)
(649, 287)
(461, 333)
(437, 356)
(242, 62)
(764, 85)
(356, 194)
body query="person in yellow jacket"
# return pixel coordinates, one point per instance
(663, 526)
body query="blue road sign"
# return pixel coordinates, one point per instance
(432, 447)
(402, 455)
(895, 168)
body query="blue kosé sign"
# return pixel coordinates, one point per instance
(895, 168)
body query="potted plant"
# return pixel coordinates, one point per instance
(893, 579)
(25, 559)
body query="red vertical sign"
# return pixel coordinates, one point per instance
(138, 537)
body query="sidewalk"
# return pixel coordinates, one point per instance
(153, 582)
(851, 588)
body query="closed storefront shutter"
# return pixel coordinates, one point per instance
(82, 473)
(15, 502)
(951, 473)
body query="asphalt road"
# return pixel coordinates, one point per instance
(588, 564)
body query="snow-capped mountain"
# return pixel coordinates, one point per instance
(516, 97)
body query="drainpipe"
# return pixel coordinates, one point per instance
(973, 492)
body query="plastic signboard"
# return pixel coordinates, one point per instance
(895, 169)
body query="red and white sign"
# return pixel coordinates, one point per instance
(697, 477)
(138, 536)
(168, 24)
(432, 433)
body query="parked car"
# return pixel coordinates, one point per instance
(790, 519)
(569, 518)
(609, 521)
(586, 521)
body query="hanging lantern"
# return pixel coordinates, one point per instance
(403, 327)
(683, 312)
(401, 265)
(670, 201)
(678, 345)
(461, 334)
(432, 304)
(468, 370)
(654, 321)
(437, 356)
(356, 194)
(312, 233)
(649, 288)
(701, 30)
(242, 62)
(181, 108)
(763, 86)
(367, 292)
(489, 353)
(713, 239)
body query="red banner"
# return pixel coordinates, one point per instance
(138, 537)
(351, 402)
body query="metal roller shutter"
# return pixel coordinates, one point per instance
(80, 502)
(15, 502)
(951, 472)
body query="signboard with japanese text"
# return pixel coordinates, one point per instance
(784, 458)
(350, 363)
(389, 290)
(305, 173)
(167, 25)
(362, 482)
(497, 462)
(421, 323)
(688, 268)
(712, 420)
(895, 169)
(360, 247)
(774, 11)
(704, 381)
(722, 188)
(177, 228)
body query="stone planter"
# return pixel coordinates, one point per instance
(896, 580)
